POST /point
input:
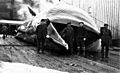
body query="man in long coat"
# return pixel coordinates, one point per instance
(41, 32)
(68, 35)
(106, 37)
(81, 38)
(4, 31)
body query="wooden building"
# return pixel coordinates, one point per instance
(102, 11)
(5, 6)
(14, 9)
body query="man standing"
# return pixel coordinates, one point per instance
(4, 31)
(80, 39)
(68, 35)
(106, 37)
(41, 32)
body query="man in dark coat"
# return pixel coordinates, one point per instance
(80, 39)
(41, 32)
(106, 37)
(4, 31)
(68, 35)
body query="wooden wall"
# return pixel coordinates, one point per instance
(102, 11)
(4, 10)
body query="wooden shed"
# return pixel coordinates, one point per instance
(102, 11)
(5, 9)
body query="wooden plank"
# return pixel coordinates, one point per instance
(12, 22)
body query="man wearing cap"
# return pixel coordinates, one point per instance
(68, 35)
(80, 39)
(106, 36)
(41, 32)
(4, 31)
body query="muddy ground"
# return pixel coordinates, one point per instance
(12, 50)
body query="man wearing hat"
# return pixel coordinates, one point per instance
(41, 32)
(106, 37)
(4, 30)
(80, 39)
(68, 35)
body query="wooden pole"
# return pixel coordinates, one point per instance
(12, 10)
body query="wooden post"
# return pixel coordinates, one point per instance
(12, 10)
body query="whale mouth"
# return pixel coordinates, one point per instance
(90, 36)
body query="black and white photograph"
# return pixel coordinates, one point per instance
(59, 36)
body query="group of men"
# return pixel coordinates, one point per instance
(71, 36)
(67, 33)
(77, 36)
(8, 29)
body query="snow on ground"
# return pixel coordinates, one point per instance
(6, 67)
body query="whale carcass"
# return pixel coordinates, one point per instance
(59, 15)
